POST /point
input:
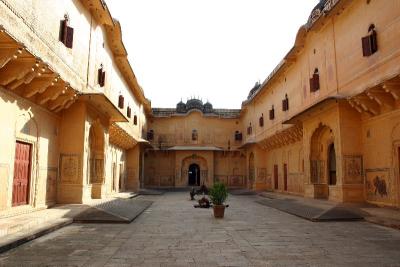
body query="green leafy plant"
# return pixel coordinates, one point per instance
(218, 193)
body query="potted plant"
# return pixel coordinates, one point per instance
(218, 194)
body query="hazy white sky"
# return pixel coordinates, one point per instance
(212, 49)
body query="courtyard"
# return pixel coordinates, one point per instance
(172, 233)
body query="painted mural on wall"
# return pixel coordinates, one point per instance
(377, 185)
(70, 168)
(353, 169)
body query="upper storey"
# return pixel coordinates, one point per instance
(195, 124)
(194, 104)
(344, 49)
(80, 44)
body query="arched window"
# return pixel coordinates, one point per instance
(272, 113)
(285, 103)
(370, 42)
(314, 81)
(194, 135)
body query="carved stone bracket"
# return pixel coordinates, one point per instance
(121, 138)
(375, 100)
(283, 138)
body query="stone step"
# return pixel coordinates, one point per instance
(20, 237)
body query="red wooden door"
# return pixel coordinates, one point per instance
(276, 176)
(22, 167)
(285, 177)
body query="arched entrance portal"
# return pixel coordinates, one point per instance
(96, 158)
(194, 175)
(194, 172)
(251, 171)
(322, 161)
(332, 164)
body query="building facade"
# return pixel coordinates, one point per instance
(324, 124)
(77, 126)
(193, 145)
(72, 111)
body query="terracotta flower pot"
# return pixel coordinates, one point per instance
(219, 211)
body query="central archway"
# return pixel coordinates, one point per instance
(194, 171)
(194, 175)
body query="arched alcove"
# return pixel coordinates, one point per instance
(96, 154)
(195, 163)
(323, 159)
(251, 170)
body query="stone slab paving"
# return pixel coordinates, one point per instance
(172, 233)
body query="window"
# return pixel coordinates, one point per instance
(101, 76)
(238, 136)
(249, 129)
(314, 81)
(66, 33)
(272, 113)
(128, 112)
(285, 103)
(194, 135)
(150, 135)
(135, 120)
(121, 101)
(261, 120)
(370, 42)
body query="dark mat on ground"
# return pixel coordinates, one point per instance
(115, 211)
(317, 214)
(242, 192)
(339, 213)
(150, 192)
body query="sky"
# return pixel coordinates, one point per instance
(215, 50)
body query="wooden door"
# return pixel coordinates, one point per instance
(276, 176)
(22, 169)
(114, 174)
(285, 177)
(121, 176)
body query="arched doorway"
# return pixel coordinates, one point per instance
(96, 158)
(195, 165)
(251, 170)
(322, 161)
(194, 175)
(332, 164)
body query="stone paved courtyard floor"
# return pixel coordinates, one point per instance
(172, 233)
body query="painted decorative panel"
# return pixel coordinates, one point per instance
(378, 185)
(353, 169)
(70, 169)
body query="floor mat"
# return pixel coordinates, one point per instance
(242, 192)
(115, 211)
(312, 213)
